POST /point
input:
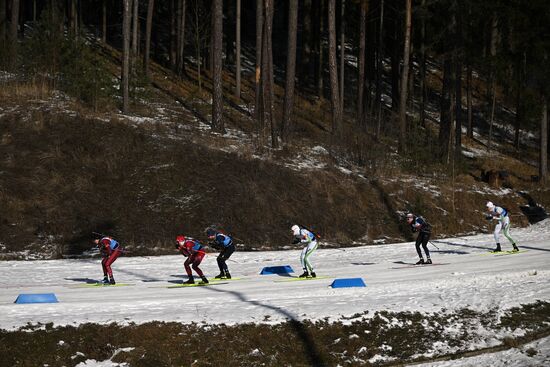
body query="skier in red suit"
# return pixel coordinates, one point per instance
(110, 249)
(193, 250)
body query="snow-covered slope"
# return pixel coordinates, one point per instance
(468, 277)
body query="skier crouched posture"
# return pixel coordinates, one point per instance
(501, 215)
(306, 237)
(110, 249)
(224, 243)
(193, 251)
(418, 224)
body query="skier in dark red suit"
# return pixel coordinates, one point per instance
(193, 250)
(110, 249)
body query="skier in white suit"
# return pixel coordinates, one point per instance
(308, 238)
(500, 214)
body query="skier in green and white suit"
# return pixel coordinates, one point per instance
(503, 223)
(307, 238)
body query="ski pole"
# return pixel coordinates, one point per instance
(433, 244)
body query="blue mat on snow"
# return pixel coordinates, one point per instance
(37, 298)
(285, 269)
(348, 282)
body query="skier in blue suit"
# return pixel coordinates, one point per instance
(424, 229)
(224, 243)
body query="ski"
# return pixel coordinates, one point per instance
(500, 253)
(195, 285)
(296, 279)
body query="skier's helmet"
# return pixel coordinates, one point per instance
(180, 238)
(295, 230)
(410, 217)
(490, 205)
(210, 232)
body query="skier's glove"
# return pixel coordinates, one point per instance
(296, 240)
(214, 245)
(489, 217)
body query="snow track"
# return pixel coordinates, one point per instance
(471, 279)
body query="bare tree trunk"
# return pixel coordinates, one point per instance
(72, 17)
(458, 78)
(469, 100)
(148, 27)
(422, 76)
(361, 58)
(342, 51)
(182, 4)
(14, 23)
(493, 103)
(404, 79)
(445, 111)
(238, 50)
(492, 77)
(3, 21)
(179, 9)
(104, 21)
(379, 71)
(334, 93)
(320, 51)
(395, 63)
(290, 68)
(173, 35)
(259, 29)
(127, 16)
(543, 165)
(306, 40)
(198, 45)
(267, 73)
(519, 102)
(135, 27)
(217, 95)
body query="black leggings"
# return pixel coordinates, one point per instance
(423, 238)
(224, 255)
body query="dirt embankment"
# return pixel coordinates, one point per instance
(64, 176)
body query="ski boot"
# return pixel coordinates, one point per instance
(497, 249)
(420, 262)
(112, 281)
(516, 249)
(190, 281)
(204, 280)
(313, 275)
(105, 280)
(227, 275)
(221, 275)
(305, 274)
(428, 261)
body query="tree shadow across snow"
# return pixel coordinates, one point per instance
(310, 348)
(489, 247)
(455, 252)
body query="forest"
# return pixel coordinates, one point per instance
(387, 86)
(303, 46)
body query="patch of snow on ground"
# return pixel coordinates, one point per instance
(534, 354)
